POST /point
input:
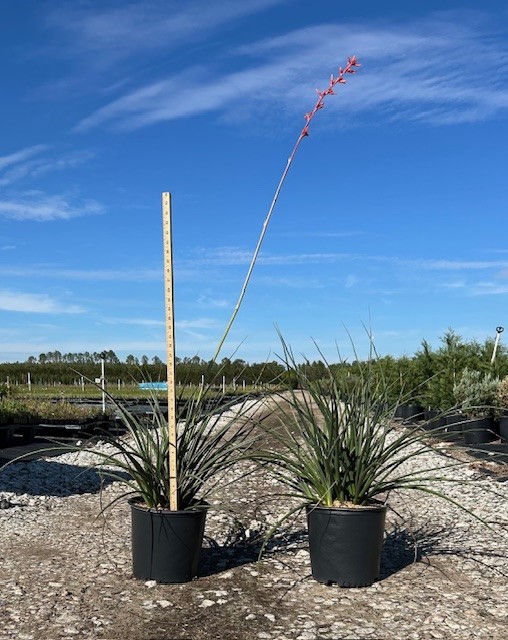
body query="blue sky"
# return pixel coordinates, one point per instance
(393, 213)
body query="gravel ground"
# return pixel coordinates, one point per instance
(64, 573)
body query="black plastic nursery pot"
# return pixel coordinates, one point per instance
(452, 431)
(166, 545)
(345, 543)
(412, 413)
(434, 419)
(503, 428)
(399, 411)
(479, 430)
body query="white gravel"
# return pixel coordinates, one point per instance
(66, 574)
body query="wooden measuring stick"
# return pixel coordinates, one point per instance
(170, 348)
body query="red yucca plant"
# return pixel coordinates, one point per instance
(320, 103)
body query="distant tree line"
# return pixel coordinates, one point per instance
(54, 367)
(56, 357)
(432, 372)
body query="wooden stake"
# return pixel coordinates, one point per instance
(170, 349)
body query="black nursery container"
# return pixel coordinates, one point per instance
(434, 419)
(412, 413)
(453, 431)
(166, 545)
(479, 431)
(345, 544)
(503, 428)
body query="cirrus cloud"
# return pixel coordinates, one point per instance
(44, 208)
(34, 303)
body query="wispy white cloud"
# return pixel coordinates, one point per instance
(461, 265)
(458, 284)
(198, 323)
(36, 167)
(234, 256)
(197, 330)
(295, 282)
(488, 289)
(40, 207)
(212, 302)
(137, 322)
(21, 156)
(34, 303)
(416, 70)
(110, 34)
(351, 281)
(62, 272)
(318, 234)
(182, 96)
(230, 256)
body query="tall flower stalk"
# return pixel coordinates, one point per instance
(320, 103)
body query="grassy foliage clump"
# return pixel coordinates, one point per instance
(337, 442)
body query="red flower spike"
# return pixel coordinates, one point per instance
(352, 62)
(329, 91)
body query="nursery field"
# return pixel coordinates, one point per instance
(121, 391)
(65, 573)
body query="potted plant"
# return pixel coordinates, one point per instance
(442, 416)
(214, 436)
(340, 454)
(476, 394)
(502, 408)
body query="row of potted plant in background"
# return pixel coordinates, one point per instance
(35, 411)
(479, 411)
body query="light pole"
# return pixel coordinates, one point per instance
(499, 331)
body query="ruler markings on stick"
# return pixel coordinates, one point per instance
(170, 348)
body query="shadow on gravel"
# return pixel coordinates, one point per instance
(400, 549)
(217, 559)
(46, 478)
(240, 551)
(403, 548)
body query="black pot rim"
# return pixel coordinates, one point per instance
(374, 505)
(137, 503)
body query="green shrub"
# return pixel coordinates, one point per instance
(476, 393)
(502, 395)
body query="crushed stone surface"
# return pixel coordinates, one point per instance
(66, 573)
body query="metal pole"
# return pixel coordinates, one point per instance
(103, 380)
(499, 331)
